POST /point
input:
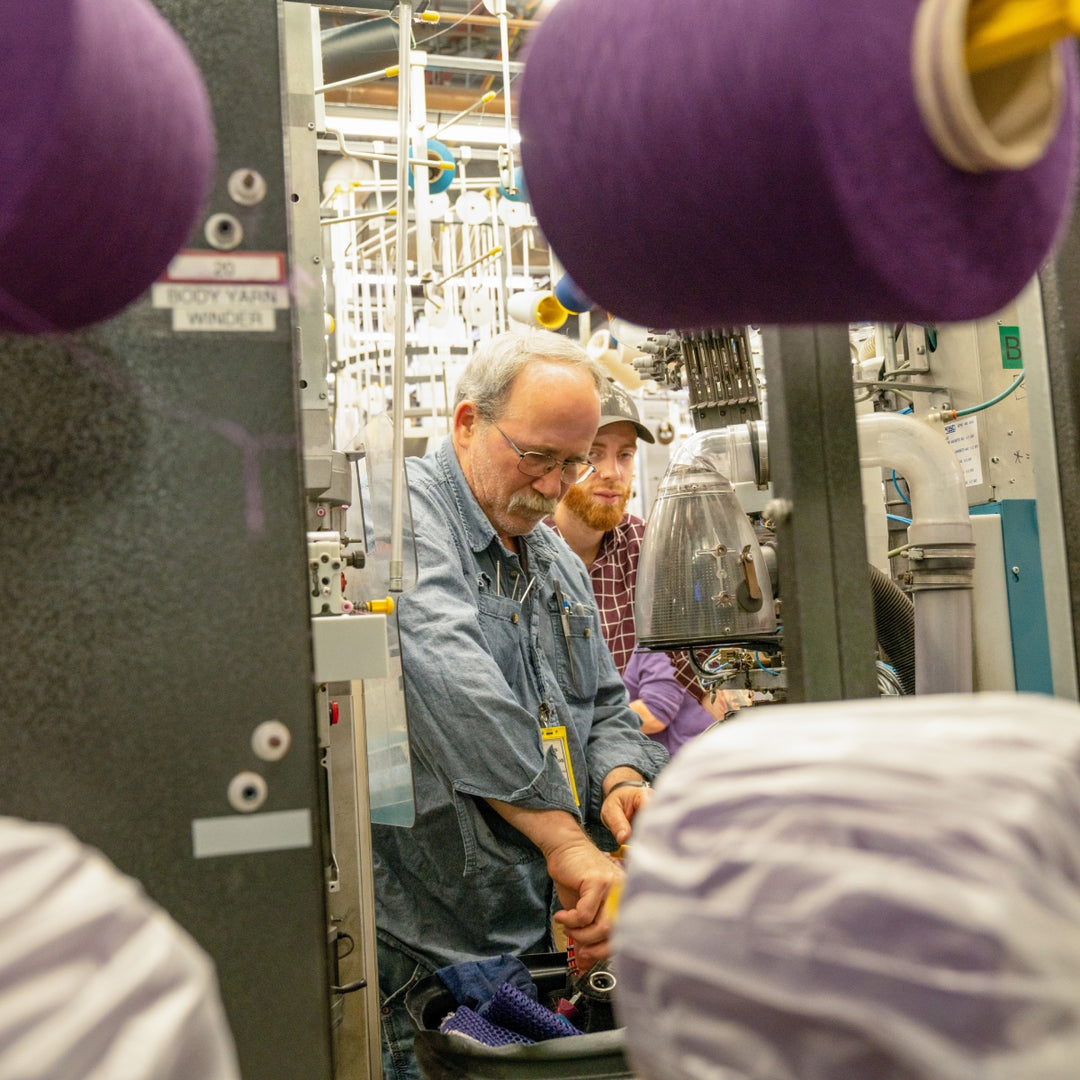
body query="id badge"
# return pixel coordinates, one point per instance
(553, 741)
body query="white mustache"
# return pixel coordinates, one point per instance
(532, 502)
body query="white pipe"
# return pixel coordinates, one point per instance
(939, 516)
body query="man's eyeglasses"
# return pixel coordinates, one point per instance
(533, 463)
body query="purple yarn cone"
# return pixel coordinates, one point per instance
(717, 162)
(106, 155)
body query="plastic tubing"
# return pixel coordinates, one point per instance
(954, 414)
(994, 400)
(939, 516)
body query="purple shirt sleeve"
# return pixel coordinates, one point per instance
(651, 677)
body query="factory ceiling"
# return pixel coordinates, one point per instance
(464, 50)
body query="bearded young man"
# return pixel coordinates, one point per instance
(592, 519)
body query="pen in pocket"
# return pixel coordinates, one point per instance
(564, 616)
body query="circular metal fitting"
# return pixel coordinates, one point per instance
(271, 740)
(223, 232)
(246, 187)
(247, 792)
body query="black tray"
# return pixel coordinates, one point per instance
(596, 1056)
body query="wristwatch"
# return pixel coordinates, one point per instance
(627, 783)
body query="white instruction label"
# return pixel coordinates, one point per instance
(196, 306)
(963, 439)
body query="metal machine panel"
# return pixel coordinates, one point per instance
(1024, 587)
(153, 607)
(990, 632)
(977, 361)
(824, 584)
(1060, 287)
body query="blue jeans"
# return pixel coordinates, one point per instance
(398, 974)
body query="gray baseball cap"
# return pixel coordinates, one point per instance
(617, 405)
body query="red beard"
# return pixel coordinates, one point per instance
(596, 515)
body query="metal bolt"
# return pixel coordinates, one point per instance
(995, 461)
(316, 259)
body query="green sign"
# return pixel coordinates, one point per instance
(1010, 347)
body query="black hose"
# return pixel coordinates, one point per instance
(894, 621)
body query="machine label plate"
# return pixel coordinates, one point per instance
(963, 438)
(225, 306)
(264, 266)
(239, 834)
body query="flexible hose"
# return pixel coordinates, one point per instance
(894, 621)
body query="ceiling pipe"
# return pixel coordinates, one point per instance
(439, 98)
(360, 48)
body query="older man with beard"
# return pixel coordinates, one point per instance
(523, 743)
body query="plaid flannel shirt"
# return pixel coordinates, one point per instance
(614, 582)
(614, 578)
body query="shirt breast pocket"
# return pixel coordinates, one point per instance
(503, 630)
(575, 652)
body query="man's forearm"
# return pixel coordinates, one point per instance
(547, 829)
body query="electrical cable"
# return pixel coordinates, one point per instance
(757, 660)
(993, 401)
(955, 414)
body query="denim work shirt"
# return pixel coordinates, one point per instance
(487, 666)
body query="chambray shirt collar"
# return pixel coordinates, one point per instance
(478, 528)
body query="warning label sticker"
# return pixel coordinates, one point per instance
(963, 439)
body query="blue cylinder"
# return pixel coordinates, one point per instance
(570, 296)
(446, 176)
(520, 194)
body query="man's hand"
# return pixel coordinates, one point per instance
(584, 877)
(582, 874)
(621, 804)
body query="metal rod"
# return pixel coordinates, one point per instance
(356, 80)
(504, 36)
(468, 266)
(429, 163)
(479, 103)
(401, 298)
(367, 215)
